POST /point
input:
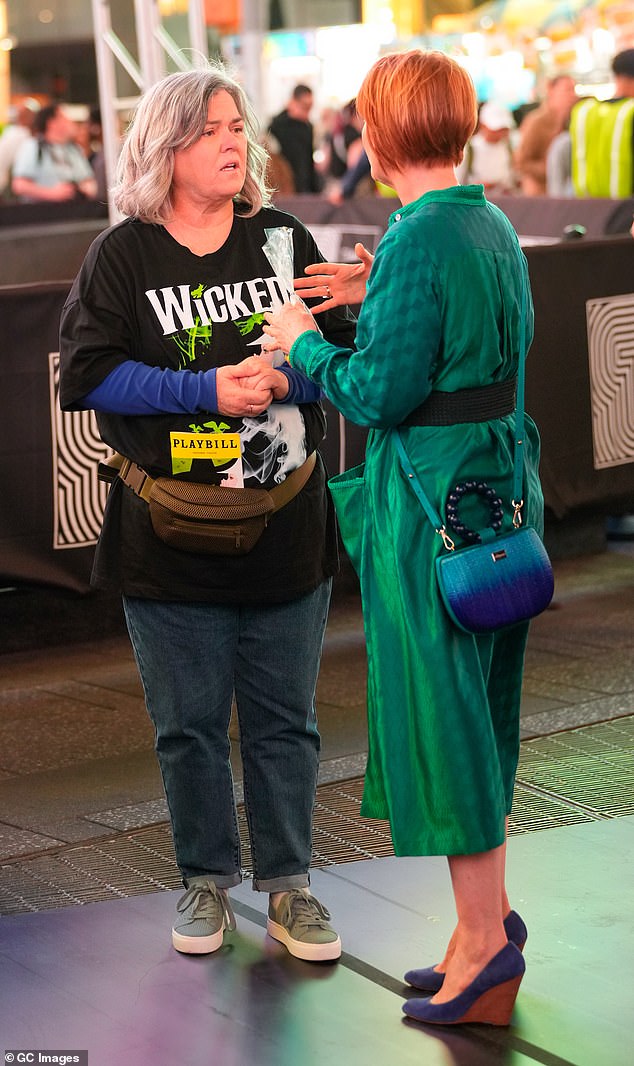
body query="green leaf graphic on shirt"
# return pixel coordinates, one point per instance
(247, 325)
(183, 466)
(215, 427)
(198, 335)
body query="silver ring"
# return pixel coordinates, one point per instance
(251, 408)
(327, 293)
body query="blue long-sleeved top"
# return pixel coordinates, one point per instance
(136, 389)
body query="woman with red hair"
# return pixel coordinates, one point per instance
(437, 351)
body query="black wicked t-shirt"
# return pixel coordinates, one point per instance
(141, 295)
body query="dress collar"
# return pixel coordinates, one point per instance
(456, 194)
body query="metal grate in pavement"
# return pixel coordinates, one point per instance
(592, 767)
(567, 778)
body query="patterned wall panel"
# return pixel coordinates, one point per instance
(79, 498)
(610, 321)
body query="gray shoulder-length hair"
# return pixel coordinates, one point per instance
(172, 114)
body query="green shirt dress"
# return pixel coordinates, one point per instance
(442, 312)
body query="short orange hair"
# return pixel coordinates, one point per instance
(418, 107)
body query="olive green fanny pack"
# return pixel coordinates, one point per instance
(207, 519)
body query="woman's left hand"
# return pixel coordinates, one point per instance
(286, 325)
(255, 373)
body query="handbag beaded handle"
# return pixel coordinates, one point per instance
(518, 450)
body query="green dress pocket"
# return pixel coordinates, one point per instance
(348, 493)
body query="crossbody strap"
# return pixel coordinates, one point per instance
(417, 488)
(518, 451)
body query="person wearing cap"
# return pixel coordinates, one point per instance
(602, 137)
(488, 157)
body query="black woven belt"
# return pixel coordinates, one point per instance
(465, 405)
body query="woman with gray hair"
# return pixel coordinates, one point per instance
(157, 336)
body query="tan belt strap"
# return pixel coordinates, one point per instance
(141, 483)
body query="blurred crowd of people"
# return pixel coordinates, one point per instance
(561, 146)
(52, 153)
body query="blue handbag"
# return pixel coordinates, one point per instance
(500, 580)
(495, 585)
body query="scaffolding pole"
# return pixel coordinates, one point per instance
(154, 46)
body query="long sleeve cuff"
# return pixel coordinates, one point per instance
(300, 389)
(136, 389)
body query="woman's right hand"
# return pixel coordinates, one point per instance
(336, 283)
(239, 394)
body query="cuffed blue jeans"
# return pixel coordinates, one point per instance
(192, 659)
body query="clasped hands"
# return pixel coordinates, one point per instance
(249, 387)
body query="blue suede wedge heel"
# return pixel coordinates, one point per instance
(488, 1000)
(429, 979)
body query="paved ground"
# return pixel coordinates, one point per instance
(76, 759)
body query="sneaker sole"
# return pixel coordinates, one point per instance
(197, 945)
(308, 952)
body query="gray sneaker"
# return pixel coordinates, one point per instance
(203, 914)
(300, 922)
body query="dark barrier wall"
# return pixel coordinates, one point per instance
(547, 216)
(542, 216)
(43, 253)
(47, 242)
(45, 213)
(50, 502)
(564, 277)
(30, 317)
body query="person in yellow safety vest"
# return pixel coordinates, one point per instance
(602, 137)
